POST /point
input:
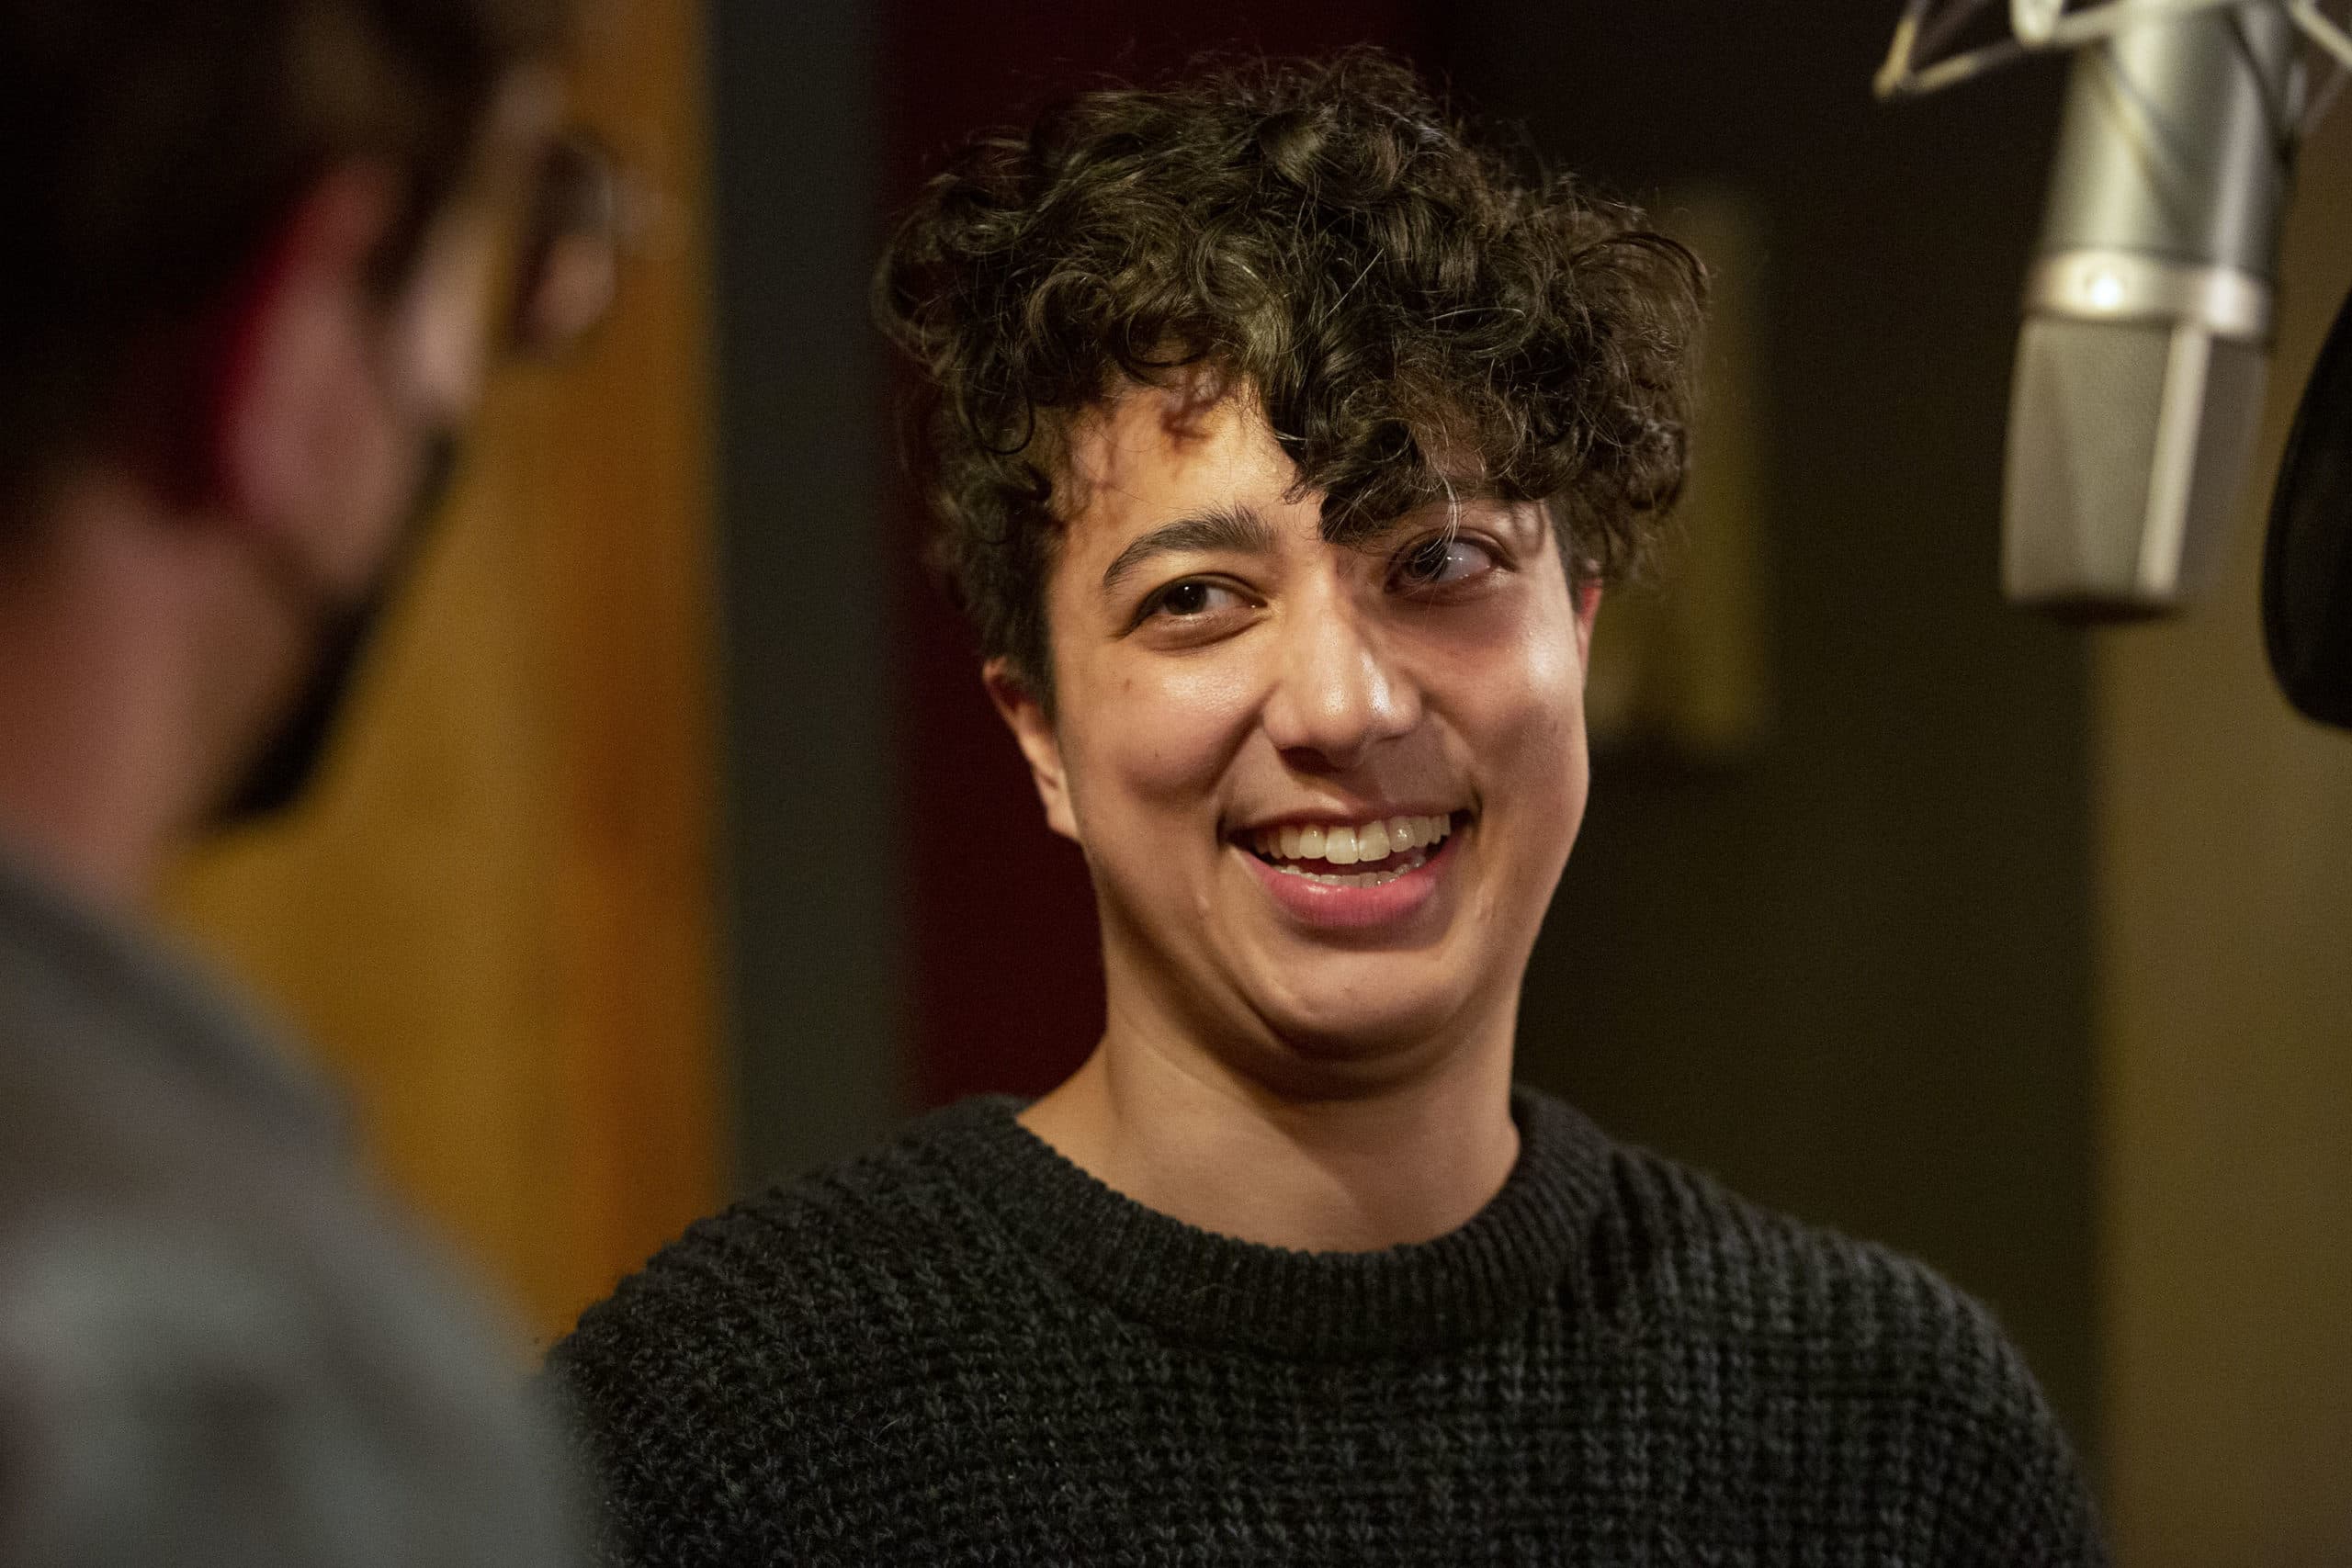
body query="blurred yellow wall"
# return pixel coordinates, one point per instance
(495, 919)
(2225, 1000)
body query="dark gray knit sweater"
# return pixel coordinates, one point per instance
(961, 1349)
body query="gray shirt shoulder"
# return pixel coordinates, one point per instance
(218, 1344)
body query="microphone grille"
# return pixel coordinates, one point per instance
(2127, 443)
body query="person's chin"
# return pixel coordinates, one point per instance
(1360, 1018)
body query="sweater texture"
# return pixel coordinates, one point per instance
(962, 1349)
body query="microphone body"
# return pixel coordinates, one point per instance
(2145, 344)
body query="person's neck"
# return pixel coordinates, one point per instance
(1407, 1158)
(104, 707)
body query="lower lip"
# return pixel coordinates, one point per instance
(1354, 908)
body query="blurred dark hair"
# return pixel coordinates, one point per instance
(1411, 314)
(153, 146)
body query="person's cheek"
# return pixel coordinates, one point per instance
(1536, 778)
(1186, 719)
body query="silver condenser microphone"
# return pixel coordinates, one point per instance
(2148, 312)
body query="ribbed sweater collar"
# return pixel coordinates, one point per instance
(1215, 1289)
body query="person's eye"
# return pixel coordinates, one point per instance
(1191, 599)
(1441, 560)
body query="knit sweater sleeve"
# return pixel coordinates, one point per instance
(1881, 1405)
(1993, 1480)
(2013, 1493)
(643, 1381)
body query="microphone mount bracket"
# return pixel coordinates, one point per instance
(1916, 61)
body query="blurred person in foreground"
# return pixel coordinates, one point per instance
(1281, 441)
(257, 247)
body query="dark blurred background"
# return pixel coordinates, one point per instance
(2019, 948)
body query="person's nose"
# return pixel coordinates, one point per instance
(1338, 693)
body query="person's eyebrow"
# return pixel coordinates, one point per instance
(1225, 527)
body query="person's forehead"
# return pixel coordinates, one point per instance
(1158, 454)
(1155, 453)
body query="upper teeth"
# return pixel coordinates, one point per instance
(1354, 844)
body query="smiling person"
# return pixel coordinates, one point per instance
(1282, 441)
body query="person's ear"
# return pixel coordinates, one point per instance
(295, 387)
(1026, 716)
(1586, 594)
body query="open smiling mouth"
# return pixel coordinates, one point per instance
(1366, 855)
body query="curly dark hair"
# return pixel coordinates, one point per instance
(1412, 316)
